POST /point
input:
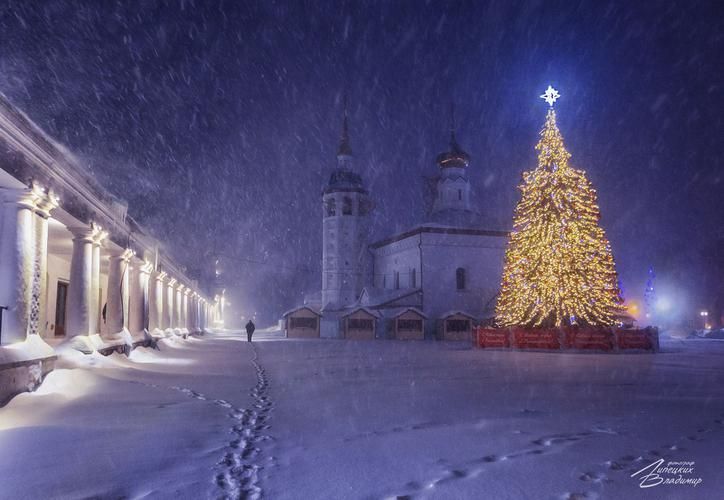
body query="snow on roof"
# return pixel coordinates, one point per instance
(453, 313)
(291, 311)
(413, 309)
(362, 308)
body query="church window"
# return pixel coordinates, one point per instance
(346, 205)
(460, 278)
(331, 207)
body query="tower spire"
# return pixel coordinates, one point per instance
(344, 148)
(453, 142)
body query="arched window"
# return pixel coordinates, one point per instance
(460, 278)
(346, 205)
(331, 207)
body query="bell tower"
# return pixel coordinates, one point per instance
(345, 210)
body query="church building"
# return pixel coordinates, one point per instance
(440, 276)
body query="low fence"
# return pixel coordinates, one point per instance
(568, 338)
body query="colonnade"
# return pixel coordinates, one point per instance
(139, 297)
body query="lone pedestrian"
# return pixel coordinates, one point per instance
(250, 330)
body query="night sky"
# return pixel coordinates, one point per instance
(219, 121)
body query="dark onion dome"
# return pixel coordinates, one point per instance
(456, 157)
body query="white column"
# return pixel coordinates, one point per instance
(117, 295)
(194, 312)
(79, 306)
(95, 306)
(44, 206)
(139, 299)
(177, 307)
(17, 262)
(156, 298)
(168, 305)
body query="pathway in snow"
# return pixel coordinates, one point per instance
(238, 472)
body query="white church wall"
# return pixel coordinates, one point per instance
(480, 256)
(401, 257)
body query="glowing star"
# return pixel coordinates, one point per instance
(550, 96)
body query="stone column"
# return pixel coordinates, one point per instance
(139, 300)
(17, 262)
(168, 317)
(156, 299)
(46, 203)
(193, 312)
(185, 309)
(95, 306)
(80, 303)
(178, 298)
(117, 295)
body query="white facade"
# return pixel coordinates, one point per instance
(451, 262)
(453, 268)
(74, 267)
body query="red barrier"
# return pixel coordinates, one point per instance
(598, 339)
(601, 339)
(646, 339)
(538, 338)
(491, 337)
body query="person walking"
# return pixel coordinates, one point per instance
(250, 330)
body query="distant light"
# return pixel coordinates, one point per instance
(663, 304)
(704, 313)
(707, 326)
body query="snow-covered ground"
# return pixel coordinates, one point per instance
(308, 419)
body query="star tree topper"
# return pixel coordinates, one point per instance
(550, 96)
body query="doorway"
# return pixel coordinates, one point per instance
(60, 300)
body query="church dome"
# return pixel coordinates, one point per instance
(455, 157)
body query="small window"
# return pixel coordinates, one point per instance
(457, 325)
(460, 194)
(413, 278)
(409, 325)
(384, 281)
(460, 278)
(360, 324)
(397, 280)
(331, 207)
(346, 205)
(303, 323)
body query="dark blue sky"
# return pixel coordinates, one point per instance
(218, 121)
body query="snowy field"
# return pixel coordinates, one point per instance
(215, 417)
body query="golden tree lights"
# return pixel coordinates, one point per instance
(558, 265)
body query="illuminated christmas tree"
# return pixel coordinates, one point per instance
(558, 266)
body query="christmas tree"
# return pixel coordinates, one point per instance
(559, 269)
